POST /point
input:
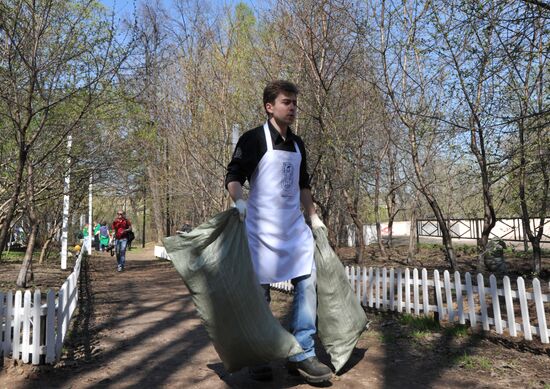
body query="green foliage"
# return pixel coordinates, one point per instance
(466, 249)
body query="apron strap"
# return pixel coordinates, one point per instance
(269, 142)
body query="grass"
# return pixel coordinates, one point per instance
(387, 338)
(13, 256)
(420, 335)
(430, 246)
(473, 362)
(457, 331)
(421, 323)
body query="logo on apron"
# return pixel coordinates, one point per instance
(288, 178)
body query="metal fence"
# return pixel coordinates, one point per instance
(509, 229)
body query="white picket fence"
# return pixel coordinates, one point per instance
(160, 252)
(33, 330)
(412, 292)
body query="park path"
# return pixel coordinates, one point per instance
(139, 329)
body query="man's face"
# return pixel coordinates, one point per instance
(284, 108)
(119, 215)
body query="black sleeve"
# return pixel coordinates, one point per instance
(304, 176)
(244, 159)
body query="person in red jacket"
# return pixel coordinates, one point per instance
(121, 227)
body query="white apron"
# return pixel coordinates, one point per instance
(281, 243)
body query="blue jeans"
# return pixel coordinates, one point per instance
(120, 249)
(304, 314)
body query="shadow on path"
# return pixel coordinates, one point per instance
(132, 329)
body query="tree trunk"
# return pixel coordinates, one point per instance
(390, 229)
(422, 188)
(391, 201)
(156, 203)
(352, 209)
(14, 198)
(45, 248)
(377, 212)
(537, 261)
(44, 251)
(489, 221)
(445, 233)
(411, 256)
(25, 273)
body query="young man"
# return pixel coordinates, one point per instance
(273, 159)
(121, 227)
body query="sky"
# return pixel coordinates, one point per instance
(126, 7)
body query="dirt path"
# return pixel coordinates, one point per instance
(139, 329)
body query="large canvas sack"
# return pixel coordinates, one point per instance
(340, 317)
(214, 262)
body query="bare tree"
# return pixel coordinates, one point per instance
(54, 58)
(526, 78)
(409, 81)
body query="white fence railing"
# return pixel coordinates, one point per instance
(413, 292)
(34, 331)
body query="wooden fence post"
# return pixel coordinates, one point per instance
(524, 309)
(510, 315)
(438, 315)
(459, 298)
(541, 317)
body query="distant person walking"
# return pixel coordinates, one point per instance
(97, 227)
(121, 227)
(104, 236)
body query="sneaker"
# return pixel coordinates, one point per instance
(261, 372)
(311, 369)
(119, 268)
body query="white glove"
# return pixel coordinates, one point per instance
(240, 204)
(316, 222)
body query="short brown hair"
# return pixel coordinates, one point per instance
(274, 88)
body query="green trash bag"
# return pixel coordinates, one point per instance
(214, 262)
(340, 317)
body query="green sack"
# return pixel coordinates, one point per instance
(340, 317)
(214, 262)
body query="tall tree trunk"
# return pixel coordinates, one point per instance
(391, 201)
(489, 219)
(25, 273)
(525, 215)
(51, 233)
(14, 200)
(167, 186)
(352, 210)
(411, 255)
(537, 257)
(434, 205)
(377, 212)
(44, 251)
(156, 203)
(445, 233)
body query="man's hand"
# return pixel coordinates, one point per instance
(316, 222)
(240, 204)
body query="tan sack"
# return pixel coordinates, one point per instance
(214, 262)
